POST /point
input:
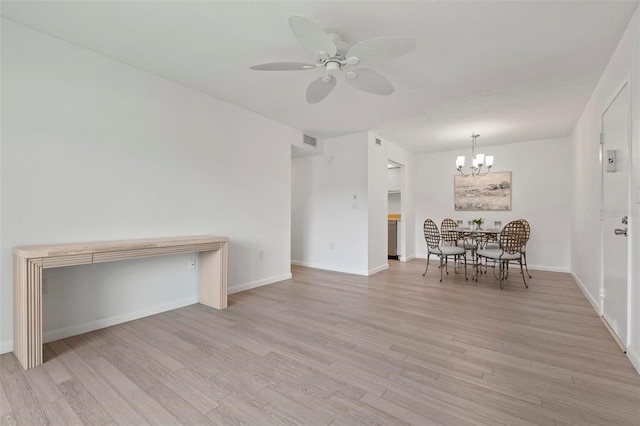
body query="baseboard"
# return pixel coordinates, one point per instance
(259, 283)
(378, 269)
(74, 330)
(590, 298)
(549, 268)
(634, 357)
(407, 258)
(6, 346)
(329, 268)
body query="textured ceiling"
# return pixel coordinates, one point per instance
(511, 71)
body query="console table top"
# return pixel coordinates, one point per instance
(49, 250)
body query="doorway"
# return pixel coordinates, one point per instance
(615, 148)
(395, 243)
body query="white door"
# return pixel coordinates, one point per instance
(615, 191)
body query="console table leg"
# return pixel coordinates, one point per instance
(213, 278)
(27, 311)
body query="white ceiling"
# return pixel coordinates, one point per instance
(511, 71)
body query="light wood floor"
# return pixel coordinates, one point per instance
(327, 349)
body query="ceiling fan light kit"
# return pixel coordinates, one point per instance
(333, 54)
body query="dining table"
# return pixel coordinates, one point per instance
(480, 237)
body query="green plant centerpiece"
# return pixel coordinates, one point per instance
(478, 222)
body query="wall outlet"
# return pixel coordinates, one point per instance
(191, 264)
(261, 254)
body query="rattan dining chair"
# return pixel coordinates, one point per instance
(453, 237)
(436, 247)
(524, 247)
(511, 240)
(448, 235)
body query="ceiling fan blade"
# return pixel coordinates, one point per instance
(313, 38)
(283, 66)
(369, 81)
(320, 88)
(379, 49)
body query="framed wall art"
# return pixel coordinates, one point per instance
(481, 193)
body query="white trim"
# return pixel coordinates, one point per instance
(634, 357)
(6, 346)
(329, 268)
(588, 295)
(549, 268)
(378, 269)
(74, 330)
(259, 283)
(407, 258)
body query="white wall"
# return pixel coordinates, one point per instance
(395, 203)
(633, 306)
(95, 150)
(394, 180)
(325, 215)
(378, 205)
(541, 193)
(624, 66)
(329, 227)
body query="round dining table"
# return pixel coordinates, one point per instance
(480, 238)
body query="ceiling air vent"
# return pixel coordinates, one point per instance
(309, 140)
(378, 142)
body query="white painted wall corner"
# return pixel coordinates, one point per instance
(378, 269)
(588, 295)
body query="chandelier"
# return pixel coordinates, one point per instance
(478, 161)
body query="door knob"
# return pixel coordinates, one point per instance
(621, 232)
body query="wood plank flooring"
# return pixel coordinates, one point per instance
(334, 349)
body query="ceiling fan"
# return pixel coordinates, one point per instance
(332, 54)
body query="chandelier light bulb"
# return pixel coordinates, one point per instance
(477, 161)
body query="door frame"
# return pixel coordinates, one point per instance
(626, 82)
(402, 229)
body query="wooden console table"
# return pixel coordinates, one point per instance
(29, 261)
